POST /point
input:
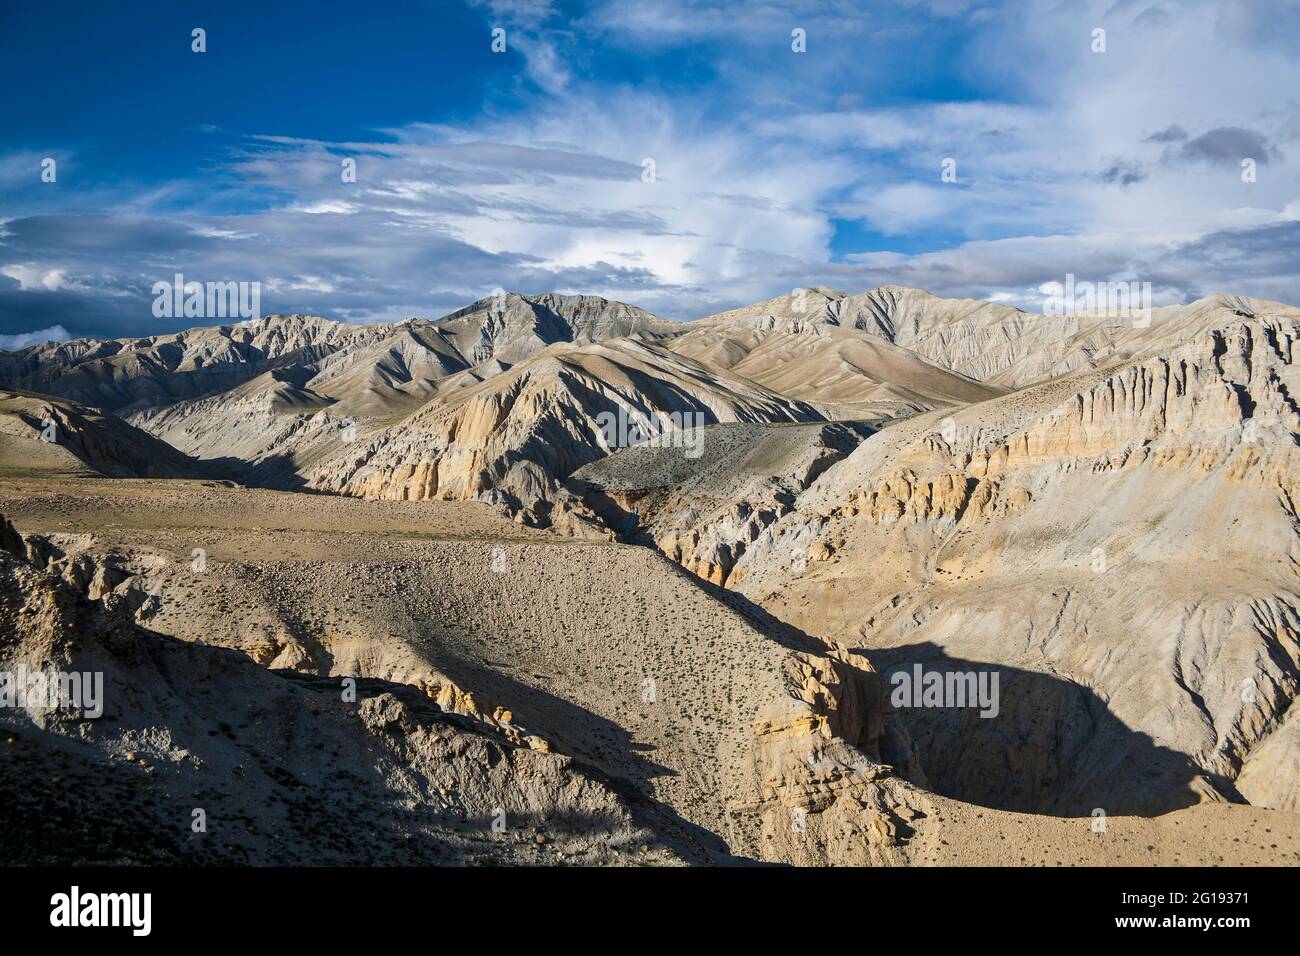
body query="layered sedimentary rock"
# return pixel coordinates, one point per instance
(1118, 544)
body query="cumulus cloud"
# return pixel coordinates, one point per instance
(30, 276)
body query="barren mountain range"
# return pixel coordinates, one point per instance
(614, 589)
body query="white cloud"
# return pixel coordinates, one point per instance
(30, 277)
(897, 210)
(12, 343)
(327, 206)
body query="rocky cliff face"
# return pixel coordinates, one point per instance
(1118, 544)
(825, 795)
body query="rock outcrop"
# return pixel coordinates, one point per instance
(1118, 544)
(199, 755)
(702, 502)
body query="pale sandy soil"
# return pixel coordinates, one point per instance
(279, 524)
(962, 834)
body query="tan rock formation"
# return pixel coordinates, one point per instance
(1118, 543)
(514, 436)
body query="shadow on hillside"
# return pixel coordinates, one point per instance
(277, 473)
(67, 806)
(603, 749)
(787, 635)
(625, 523)
(1053, 747)
(269, 802)
(693, 843)
(891, 747)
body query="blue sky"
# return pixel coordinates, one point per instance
(524, 170)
